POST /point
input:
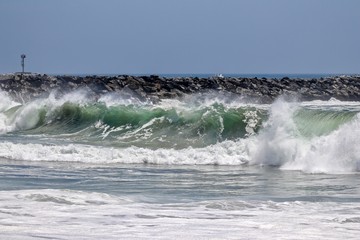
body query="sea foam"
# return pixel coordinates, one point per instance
(46, 213)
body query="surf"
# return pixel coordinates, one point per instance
(319, 136)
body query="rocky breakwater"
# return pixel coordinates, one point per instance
(154, 88)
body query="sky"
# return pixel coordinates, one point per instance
(180, 36)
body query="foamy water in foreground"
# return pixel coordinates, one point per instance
(205, 167)
(82, 201)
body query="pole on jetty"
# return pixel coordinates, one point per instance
(23, 56)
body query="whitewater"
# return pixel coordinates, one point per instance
(206, 166)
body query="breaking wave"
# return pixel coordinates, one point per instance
(312, 136)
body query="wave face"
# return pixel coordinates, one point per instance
(310, 136)
(129, 124)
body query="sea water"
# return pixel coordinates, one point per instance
(208, 166)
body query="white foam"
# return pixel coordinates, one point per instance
(279, 144)
(123, 97)
(225, 153)
(65, 214)
(276, 143)
(335, 153)
(28, 115)
(207, 100)
(332, 104)
(6, 103)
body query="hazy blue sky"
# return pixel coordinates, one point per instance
(181, 36)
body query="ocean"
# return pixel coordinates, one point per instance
(207, 75)
(208, 166)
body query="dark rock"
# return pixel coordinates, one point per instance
(155, 87)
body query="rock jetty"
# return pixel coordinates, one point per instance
(155, 88)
